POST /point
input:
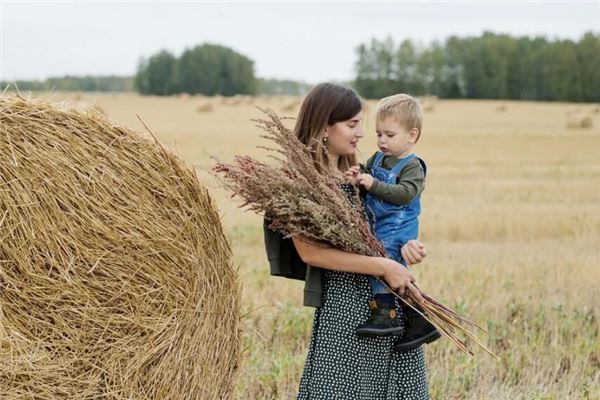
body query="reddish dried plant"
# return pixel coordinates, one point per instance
(302, 201)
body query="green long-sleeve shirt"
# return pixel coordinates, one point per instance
(409, 183)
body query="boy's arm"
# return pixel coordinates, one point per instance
(410, 184)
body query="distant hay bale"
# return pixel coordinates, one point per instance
(596, 110)
(116, 280)
(205, 107)
(184, 96)
(579, 121)
(501, 108)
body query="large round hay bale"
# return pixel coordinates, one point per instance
(116, 280)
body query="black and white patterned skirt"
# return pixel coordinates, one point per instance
(342, 365)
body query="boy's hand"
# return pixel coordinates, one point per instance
(413, 252)
(352, 173)
(365, 180)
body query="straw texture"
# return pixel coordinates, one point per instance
(116, 280)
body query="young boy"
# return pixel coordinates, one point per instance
(393, 180)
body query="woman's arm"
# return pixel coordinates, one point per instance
(395, 275)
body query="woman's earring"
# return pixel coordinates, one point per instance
(325, 139)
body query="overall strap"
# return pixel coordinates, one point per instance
(401, 163)
(378, 159)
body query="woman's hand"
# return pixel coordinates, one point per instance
(413, 252)
(398, 278)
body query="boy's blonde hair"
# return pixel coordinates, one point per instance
(405, 109)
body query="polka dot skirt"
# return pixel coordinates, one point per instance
(342, 365)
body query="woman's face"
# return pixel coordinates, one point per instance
(342, 137)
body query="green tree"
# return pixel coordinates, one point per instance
(431, 69)
(407, 74)
(588, 59)
(376, 68)
(212, 69)
(156, 75)
(206, 69)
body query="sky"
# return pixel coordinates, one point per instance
(306, 41)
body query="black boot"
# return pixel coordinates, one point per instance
(419, 331)
(383, 321)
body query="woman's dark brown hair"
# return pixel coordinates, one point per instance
(325, 105)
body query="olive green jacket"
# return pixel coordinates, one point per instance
(284, 261)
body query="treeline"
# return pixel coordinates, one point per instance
(281, 86)
(207, 69)
(111, 83)
(126, 84)
(491, 66)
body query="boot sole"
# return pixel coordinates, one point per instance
(380, 332)
(404, 347)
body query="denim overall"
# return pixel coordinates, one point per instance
(393, 225)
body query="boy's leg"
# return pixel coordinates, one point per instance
(418, 330)
(380, 292)
(384, 319)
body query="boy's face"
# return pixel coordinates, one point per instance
(393, 138)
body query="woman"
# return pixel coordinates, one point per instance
(341, 365)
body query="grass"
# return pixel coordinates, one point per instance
(510, 219)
